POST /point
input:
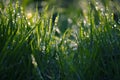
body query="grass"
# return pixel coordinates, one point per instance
(30, 48)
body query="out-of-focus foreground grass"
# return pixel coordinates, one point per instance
(33, 47)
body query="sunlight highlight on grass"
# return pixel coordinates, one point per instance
(29, 15)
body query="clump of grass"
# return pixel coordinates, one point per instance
(30, 48)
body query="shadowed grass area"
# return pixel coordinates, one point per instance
(30, 49)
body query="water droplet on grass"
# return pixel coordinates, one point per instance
(118, 21)
(1, 35)
(18, 14)
(70, 21)
(115, 25)
(29, 23)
